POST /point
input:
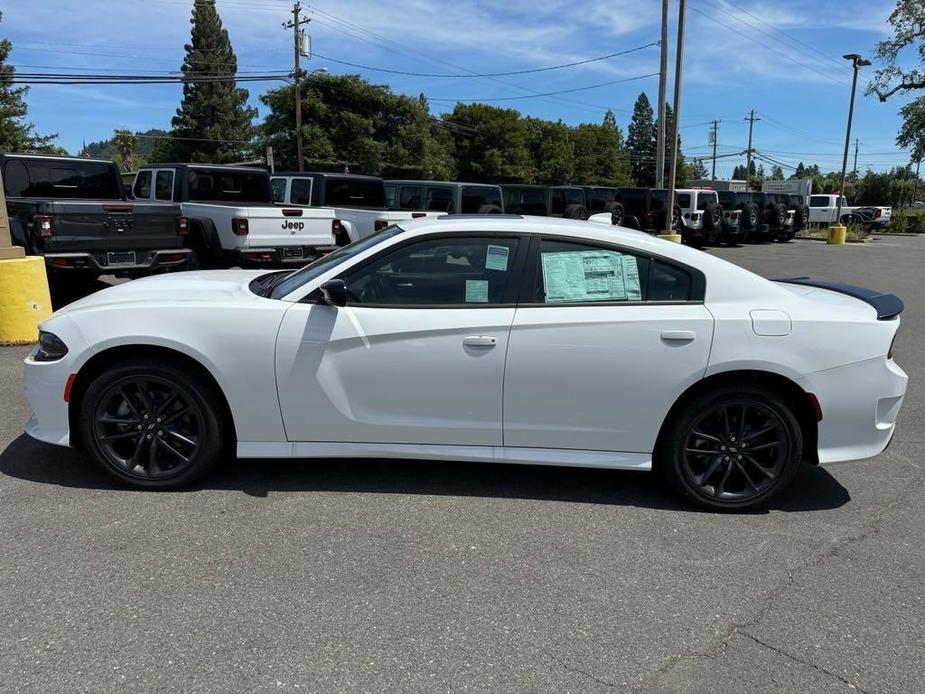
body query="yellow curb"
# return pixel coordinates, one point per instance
(671, 237)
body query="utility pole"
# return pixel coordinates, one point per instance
(713, 141)
(295, 24)
(856, 145)
(748, 155)
(662, 86)
(670, 233)
(915, 183)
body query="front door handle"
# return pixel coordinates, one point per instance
(678, 335)
(480, 340)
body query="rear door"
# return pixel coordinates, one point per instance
(603, 343)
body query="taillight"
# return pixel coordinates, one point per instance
(44, 225)
(877, 213)
(380, 224)
(416, 215)
(239, 226)
(182, 226)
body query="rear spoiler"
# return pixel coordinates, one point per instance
(886, 305)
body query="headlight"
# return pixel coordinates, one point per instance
(50, 347)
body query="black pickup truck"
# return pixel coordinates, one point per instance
(75, 213)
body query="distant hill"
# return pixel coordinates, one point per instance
(105, 149)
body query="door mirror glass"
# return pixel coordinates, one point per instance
(334, 292)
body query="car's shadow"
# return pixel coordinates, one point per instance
(814, 489)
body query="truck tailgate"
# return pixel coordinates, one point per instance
(88, 225)
(289, 226)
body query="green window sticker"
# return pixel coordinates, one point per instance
(496, 258)
(476, 291)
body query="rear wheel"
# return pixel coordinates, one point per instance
(732, 449)
(151, 425)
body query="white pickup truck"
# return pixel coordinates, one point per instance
(358, 201)
(824, 208)
(232, 218)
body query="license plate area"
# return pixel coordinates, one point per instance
(120, 258)
(292, 252)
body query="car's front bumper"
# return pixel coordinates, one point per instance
(44, 385)
(860, 403)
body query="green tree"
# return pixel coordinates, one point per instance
(552, 150)
(800, 171)
(600, 153)
(640, 142)
(777, 173)
(125, 143)
(491, 144)
(912, 132)
(213, 122)
(16, 135)
(898, 73)
(348, 122)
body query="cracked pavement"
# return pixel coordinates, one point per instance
(423, 577)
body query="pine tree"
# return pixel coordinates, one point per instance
(640, 142)
(800, 172)
(214, 122)
(15, 134)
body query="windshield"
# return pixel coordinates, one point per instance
(325, 263)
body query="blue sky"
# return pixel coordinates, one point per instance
(780, 58)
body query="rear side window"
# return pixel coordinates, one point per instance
(410, 198)
(819, 201)
(438, 200)
(142, 188)
(228, 185)
(684, 200)
(574, 273)
(475, 197)
(163, 185)
(354, 192)
(300, 192)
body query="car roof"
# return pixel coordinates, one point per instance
(328, 174)
(197, 165)
(404, 181)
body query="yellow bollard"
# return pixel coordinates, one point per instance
(837, 234)
(24, 299)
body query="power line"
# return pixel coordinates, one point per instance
(489, 74)
(561, 91)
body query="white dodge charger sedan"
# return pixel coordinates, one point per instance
(480, 338)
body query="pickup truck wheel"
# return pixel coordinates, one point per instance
(576, 212)
(152, 425)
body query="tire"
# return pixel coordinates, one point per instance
(712, 217)
(800, 217)
(617, 215)
(717, 482)
(780, 215)
(490, 209)
(750, 217)
(576, 212)
(676, 218)
(134, 396)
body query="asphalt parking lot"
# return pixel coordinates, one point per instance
(365, 576)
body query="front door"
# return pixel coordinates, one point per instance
(416, 357)
(602, 349)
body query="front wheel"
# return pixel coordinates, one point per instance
(152, 425)
(732, 449)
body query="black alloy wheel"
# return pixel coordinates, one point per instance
(152, 425)
(148, 427)
(733, 449)
(736, 451)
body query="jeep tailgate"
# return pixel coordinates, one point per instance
(100, 225)
(289, 226)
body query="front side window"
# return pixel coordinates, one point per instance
(437, 272)
(163, 185)
(300, 193)
(558, 202)
(142, 187)
(573, 196)
(438, 200)
(575, 273)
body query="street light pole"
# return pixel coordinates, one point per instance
(662, 79)
(857, 62)
(669, 233)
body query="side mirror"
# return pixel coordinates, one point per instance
(334, 292)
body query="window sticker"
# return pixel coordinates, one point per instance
(590, 276)
(496, 258)
(476, 291)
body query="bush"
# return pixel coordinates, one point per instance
(908, 221)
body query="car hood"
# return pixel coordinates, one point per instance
(204, 286)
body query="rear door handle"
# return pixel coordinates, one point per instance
(678, 335)
(480, 340)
